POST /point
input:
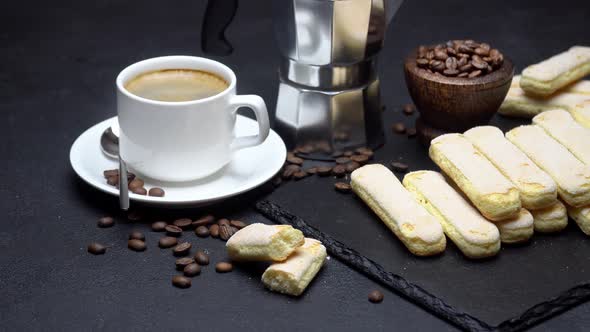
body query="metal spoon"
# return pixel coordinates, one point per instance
(109, 144)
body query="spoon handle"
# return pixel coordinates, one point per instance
(123, 185)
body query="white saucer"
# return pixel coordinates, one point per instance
(248, 169)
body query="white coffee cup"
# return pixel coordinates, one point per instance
(187, 140)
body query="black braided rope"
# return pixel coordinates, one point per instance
(539, 312)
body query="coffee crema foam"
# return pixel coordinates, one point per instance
(176, 85)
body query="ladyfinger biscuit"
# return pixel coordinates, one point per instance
(579, 87)
(560, 125)
(516, 229)
(470, 231)
(581, 216)
(546, 77)
(492, 193)
(419, 231)
(570, 174)
(550, 219)
(537, 189)
(293, 275)
(260, 242)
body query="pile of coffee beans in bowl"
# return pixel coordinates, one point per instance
(459, 58)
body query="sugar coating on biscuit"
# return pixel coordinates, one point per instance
(420, 232)
(260, 242)
(516, 229)
(571, 175)
(581, 216)
(294, 274)
(474, 235)
(560, 125)
(537, 189)
(550, 219)
(490, 191)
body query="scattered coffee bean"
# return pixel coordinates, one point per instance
(96, 248)
(159, 226)
(134, 216)
(238, 224)
(305, 149)
(398, 128)
(348, 153)
(202, 231)
(106, 222)
(361, 158)
(289, 170)
(183, 223)
(136, 183)
(139, 191)
(223, 221)
(167, 242)
(340, 170)
(294, 160)
(324, 170)
(110, 172)
(312, 170)
(399, 167)
(182, 249)
(173, 230)
(192, 270)
(201, 257)
(375, 296)
(411, 132)
(300, 175)
(342, 160)
(181, 281)
(342, 187)
(113, 181)
(224, 232)
(352, 166)
(214, 230)
(204, 221)
(182, 262)
(156, 192)
(137, 235)
(409, 109)
(136, 245)
(234, 230)
(223, 267)
(364, 150)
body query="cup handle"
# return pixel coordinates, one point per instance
(257, 105)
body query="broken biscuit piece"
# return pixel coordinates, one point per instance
(260, 242)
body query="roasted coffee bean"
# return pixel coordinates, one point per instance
(223, 267)
(156, 192)
(137, 235)
(214, 230)
(375, 296)
(451, 72)
(464, 49)
(167, 242)
(342, 160)
(135, 183)
(474, 73)
(201, 257)
(451, 51)
(182, 262)
(136, 245)
(312, 170)
(139, 191)
(113, 181)
(181, 282)
(184, 223)
(182, 249)
(110, 172)
(289, 170)
(340, 170)
(224, 232)
(159, 226)
(348, 153)
(223, 221)
(305, 149)
(409, 109)
(466, 68)
(364, 151)
(411, 132)
(422, 51)
(422, 62)
(430, 55)
(238, 224)
(294, 160)
(352, 166)
(342, 187)
(361, 158)
(234, 230)
(398, 128)
(202, 231)
(462, 61)
(106, 222)
(324, 170)
(399, 167)
(463, 75)
(204, 221)
(299, 175)
(96, 248)
(440, 55)
(276, 181)
(173, 230)
(481, 51)
(192, 270)
(451, 63)
(479, 63)
(437, 66)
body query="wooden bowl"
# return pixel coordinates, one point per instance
(457, 104)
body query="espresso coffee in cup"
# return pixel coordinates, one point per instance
(176, 85)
